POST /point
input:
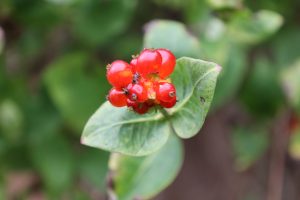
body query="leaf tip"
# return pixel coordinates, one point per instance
(218, 68)
(82, 141)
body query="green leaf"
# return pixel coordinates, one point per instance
(75, 89)
(218, 46)
(3, 185)
(248, 146)
(93, 167)
(61, 2)
(3, 148)
(54, 160)
(43, 120)
(251, 28)
(144, 177)
(95, 22)
(285, 47)
(2, 191)
(35, 14)
(173, 36)
(218, 4)
(173, 4)
(11, 120)
(263, 77)
(119, 130)
(195, 11)
(290, 81)
(195, 82)
(234, 67)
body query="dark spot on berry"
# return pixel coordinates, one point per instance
(134, 97)
(125, 90)
(202, 99)
(136, 78)
(172, 94)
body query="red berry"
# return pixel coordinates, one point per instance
(150, 103)
(148, 62)
(137, 107)
(168, 63)
(142, 108)
(165, 92)
(168, 104)
(137, 92)
(131, 103)
(117, 97)
(133, 63)
(119, 74)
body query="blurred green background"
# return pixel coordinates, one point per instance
(53, 55)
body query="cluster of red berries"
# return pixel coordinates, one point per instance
(144, 82)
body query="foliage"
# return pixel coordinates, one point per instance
(118, 130)
(130, 180)
(53, 55)
(249, 145)
(68, 80)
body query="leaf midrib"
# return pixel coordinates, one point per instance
(138, 120)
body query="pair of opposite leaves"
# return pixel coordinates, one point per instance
(118, 130)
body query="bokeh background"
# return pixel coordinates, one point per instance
(53, 55)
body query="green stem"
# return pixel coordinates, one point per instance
(166, 114)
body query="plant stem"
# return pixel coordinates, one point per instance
(110, 194)
(165, 113)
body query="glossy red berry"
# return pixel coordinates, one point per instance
(168, 104)
(165, 92)
(117, 97)
(131, 104)
(119, 74)
(148, 62)
(137, 92)
(142, 84)
(137, 107)
(133, 64)
(150, 103)
(141, 108)
(168, 63)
